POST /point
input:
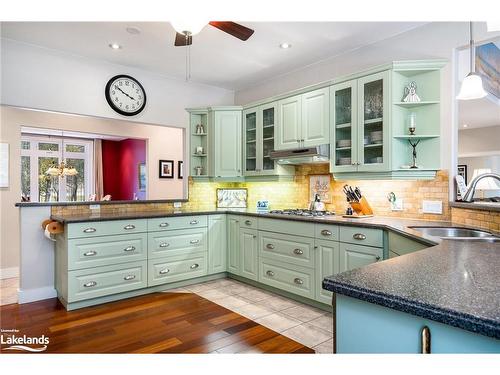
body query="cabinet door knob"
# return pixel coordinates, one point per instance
(129, 248)
(377, 258)
(298, 252)
(426, 340)
(298, 281)
(248, 222)
(194, 222)
(89, 230)
(194, 241)
(353, 163)
(164, 271)
(163, 225)
(164, 244)
(129, 277)
(90, 253)
(129, 227)
(254, 236)
(326, 232)
(90, 284)
(194, 266)
(359, 236)
(270, 273)
(270, 246)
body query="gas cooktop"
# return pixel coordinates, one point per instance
(300, 212)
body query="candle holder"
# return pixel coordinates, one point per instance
(412, 123)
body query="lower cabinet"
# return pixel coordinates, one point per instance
(249, 254)
(356, 256)
(217, 248)
(327, 264)
(289, 277)
(176, 268)
(233, 244)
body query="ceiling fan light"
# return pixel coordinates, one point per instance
(191, 27)
(472, 88)
(52, 171)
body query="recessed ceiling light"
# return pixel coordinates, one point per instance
(133, 30)
(285, 45)
(465, 125)
(114, 46)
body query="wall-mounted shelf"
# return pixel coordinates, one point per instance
(416, 104)
(416, 136)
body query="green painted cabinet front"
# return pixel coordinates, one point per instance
(217, 248)
(176, 268)
(315, 118)
(249, 266)
(227, 143)
(289, 123)
(233, 244)
(327, 264)
(356, 256)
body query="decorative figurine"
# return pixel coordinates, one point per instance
(412, 123)
(414, 145)
(410, 93)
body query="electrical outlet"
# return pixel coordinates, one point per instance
(397, 205)
(432, 207)
(95, 207)
(177, 204)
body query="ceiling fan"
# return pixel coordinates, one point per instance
(185, 30)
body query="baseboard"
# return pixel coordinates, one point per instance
(32, 295)
(8, 273)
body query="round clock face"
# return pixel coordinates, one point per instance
(125, 95)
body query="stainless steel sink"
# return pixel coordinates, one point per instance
(457, 233)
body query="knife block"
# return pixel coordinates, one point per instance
(362, 208)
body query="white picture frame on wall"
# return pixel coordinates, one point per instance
(4, 165)
(320, 184)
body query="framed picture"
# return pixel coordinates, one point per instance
(232, 198)
(320, 184)
(462, 171)
(4, 165)
(166, 169)
(180, 169)
(142, 176)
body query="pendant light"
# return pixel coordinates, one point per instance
(472, 85)
(63, 169)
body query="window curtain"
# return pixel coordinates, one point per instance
(98, 173)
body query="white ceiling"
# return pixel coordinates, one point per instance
(218, 59)
(479, 113)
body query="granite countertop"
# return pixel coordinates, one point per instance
(482, 206)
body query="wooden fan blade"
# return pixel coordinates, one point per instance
(180, 40)
(235, 29)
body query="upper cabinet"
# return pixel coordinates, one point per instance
(303, 120)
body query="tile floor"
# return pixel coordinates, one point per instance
(8, 290)
(303, 323)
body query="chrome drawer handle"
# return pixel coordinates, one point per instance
(194, 222)
(129, 277)
(248, 222)
(298, 281)
(90, 253)
(326, 232)
(129, 248)
(129, 227)
(298, 252)
(359, 236)
(164, 271)
(89, 230)
(90, 284)
(377, 258)
(270, 273)
(163, 225)
(194, 241)
(270, 246)
(194, 266)
(164, 244)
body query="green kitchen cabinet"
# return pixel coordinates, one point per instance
(327, 264)
(303, 120)
(226, 142)
(233, 245)
(356, 256)
(249, 266)
(217, 248)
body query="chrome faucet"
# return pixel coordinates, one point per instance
(472, 187)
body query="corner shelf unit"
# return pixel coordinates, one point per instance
(198, 140)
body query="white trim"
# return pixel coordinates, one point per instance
(32, 295)
(9, 273)
(479, 154)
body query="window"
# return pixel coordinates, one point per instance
(39, 153)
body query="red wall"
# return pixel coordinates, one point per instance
(120, 164)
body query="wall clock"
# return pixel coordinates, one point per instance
(125, 95)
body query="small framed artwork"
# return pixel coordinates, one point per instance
(166, 169)
(142, 176)
(232, 198)
(180, 169)
(462, 171)
(320, 184)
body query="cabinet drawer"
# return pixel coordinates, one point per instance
(286, 248)
(296, 228)
(178, 242)
(178, 222)
(105, 228)
(167, 270)
(248, 222)
(326, 232)
(362, 236)
(107, 250)
(292, 278)
(103, 281)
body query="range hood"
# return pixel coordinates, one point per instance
(308, 155)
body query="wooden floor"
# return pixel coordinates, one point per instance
(155, 323)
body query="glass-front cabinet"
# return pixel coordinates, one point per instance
(258, 140)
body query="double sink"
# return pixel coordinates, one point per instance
(457, 233)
